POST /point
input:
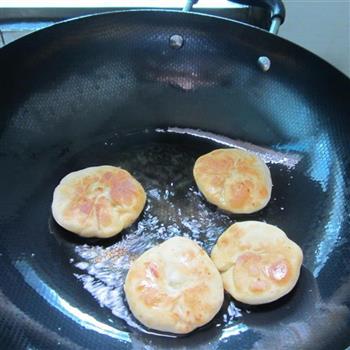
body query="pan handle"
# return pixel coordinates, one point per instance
(278, 11)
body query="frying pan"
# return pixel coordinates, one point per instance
(151, 91)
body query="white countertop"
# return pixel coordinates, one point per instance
(322, 27)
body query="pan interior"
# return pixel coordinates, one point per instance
(66, 90)
(162, 160)
(78, 283)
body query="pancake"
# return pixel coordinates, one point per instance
(174, 287)
(234, 180)
(98, 201)
(258, 262)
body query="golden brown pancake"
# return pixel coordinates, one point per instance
(98, 201)
(174, 287)
(234, 180)
(257, 261)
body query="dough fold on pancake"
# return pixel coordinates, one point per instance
(234, 180)
(98, 201)
(257, 261)
(174, 287)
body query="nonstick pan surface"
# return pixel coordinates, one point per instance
(109, 89)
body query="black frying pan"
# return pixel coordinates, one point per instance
(120, 89)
